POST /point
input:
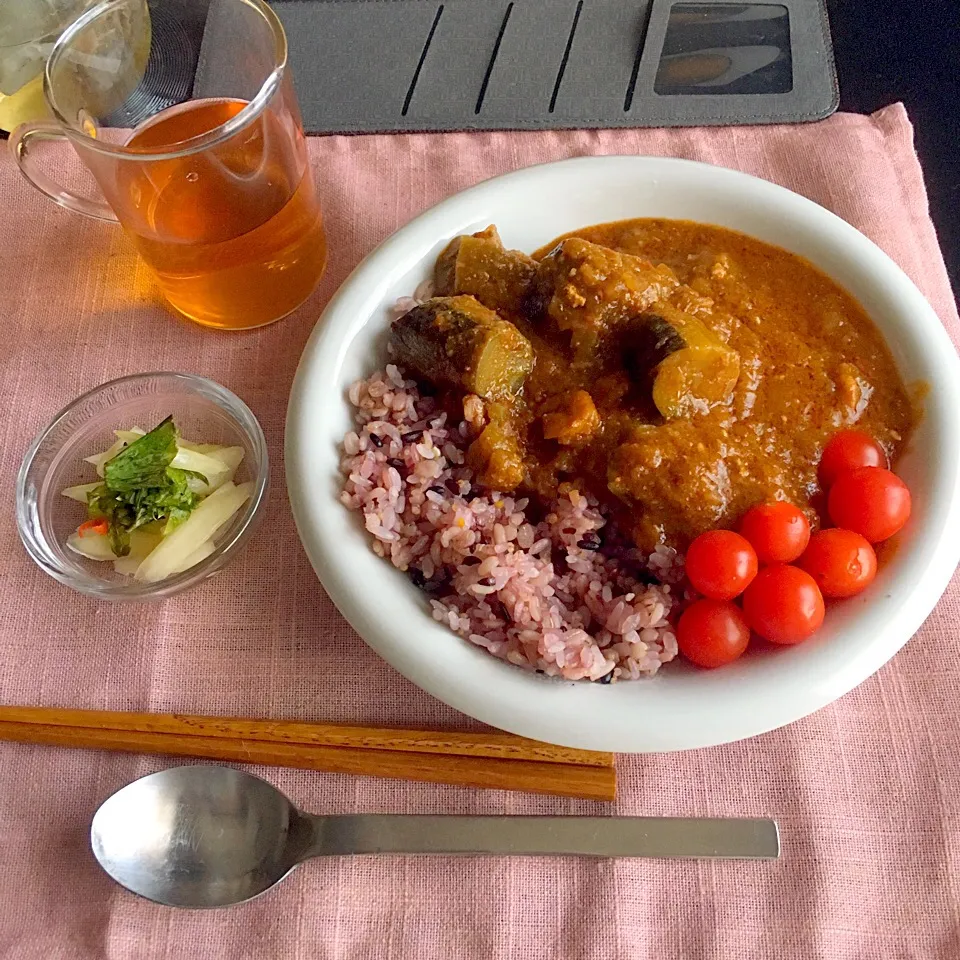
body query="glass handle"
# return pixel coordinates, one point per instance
(20, 147)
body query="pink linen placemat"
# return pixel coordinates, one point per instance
(867, 791)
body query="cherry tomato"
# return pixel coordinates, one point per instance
(720, 564)
(848, 450)
(783, 604)
(841, 562)
(870, 501)
(712, 633)
(779, 532)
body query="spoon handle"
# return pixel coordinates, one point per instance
(546, 836)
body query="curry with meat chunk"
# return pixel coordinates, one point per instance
(682, 373)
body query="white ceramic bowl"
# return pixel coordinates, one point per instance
(681, 708)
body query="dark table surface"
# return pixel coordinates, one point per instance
(908, 50)
(888, 50)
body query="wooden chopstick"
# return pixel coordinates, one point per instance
(494, 744)
(559, 779)
(492, 760)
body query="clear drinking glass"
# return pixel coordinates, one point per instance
(185, 114)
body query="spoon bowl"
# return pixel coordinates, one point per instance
(198, 836)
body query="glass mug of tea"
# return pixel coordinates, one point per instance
(185, 114)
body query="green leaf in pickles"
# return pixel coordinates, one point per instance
(140, 486)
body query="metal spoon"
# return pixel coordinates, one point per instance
(210, 836)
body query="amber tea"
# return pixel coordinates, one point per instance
(233, 233)
(215, 189)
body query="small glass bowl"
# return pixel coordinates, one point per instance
(203, 411)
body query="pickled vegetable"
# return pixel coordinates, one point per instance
(480, 266)
(178, 550)
(143, 514)
(458, 341)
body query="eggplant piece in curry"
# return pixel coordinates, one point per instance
(681, 373)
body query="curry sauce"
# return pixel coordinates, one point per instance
(682, 373)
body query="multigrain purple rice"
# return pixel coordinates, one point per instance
(545, 594)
